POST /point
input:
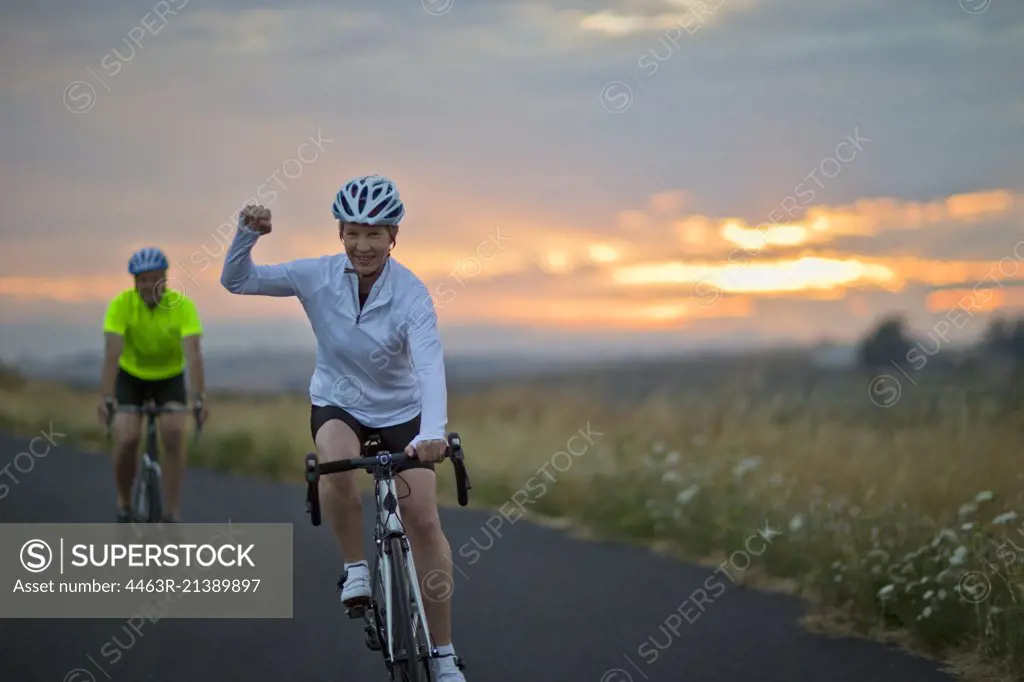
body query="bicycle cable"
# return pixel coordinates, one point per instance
(401, 523)
(399, 477)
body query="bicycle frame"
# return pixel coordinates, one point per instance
(388, 526)
(150, 464)
(150, 411)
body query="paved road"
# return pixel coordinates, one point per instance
(531, 605)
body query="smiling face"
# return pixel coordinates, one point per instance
(151, 285)
(367, 246)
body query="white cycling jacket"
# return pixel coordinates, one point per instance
(384, 364)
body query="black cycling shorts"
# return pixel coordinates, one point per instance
(131, 390)
(392, 438)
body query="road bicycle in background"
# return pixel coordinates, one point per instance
(147, 489)
(396, 622)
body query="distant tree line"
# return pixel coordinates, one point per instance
(10, 377)
(890, 341)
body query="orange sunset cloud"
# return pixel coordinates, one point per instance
(593, 277)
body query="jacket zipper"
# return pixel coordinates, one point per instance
(359, 308)
(359, 315)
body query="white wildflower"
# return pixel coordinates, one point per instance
(686, 496)
(880, 554)
(942, 594)
(944, 534)
(984, 496)
(959, 556)
(967, 527)
(658, 447)
(927, 613)
(836, 505)
(967, 509)
(886, 592)
(839, 578)
(746, 465)
(1008, 517)
(671, 477)
(929, 594)
(672, 457)
(796, 523)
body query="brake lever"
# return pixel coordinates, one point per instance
(197, 414)
(110, 416)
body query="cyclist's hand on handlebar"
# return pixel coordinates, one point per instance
(430, 451)
(200, 410)
(257, 218)
(103, 410)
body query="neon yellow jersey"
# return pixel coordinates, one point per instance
(152, 338)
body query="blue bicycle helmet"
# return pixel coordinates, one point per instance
(147, 259)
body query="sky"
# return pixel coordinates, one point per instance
(579, 174)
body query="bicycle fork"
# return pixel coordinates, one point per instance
(150, 477)
(420, 617)
(392, 527)
(151, 467)
(418, 613)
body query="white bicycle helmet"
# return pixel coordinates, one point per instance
(369, 200)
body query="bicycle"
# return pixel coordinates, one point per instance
(396, 622)
(147, 488)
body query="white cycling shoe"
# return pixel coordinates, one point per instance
(355, 591)
(446, 669)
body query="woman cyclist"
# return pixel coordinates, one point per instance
(379, 366)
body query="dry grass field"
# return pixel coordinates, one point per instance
(900, 522)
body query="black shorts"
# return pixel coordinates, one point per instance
(131, 390)
(392, 438)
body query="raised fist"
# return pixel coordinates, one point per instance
(257, 218)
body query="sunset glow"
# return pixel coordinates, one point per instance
(604, 313)
(565, 168)
(781, 276)
(728, 255)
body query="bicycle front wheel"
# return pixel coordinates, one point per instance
(408, 666)
(140, 498)
(156, 502)
(147, 497)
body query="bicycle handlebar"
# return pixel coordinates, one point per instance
(381, 460)
(384, 460)
(149, 409)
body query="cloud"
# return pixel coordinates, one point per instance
(660, 254)
(489, 119)
(629, 17)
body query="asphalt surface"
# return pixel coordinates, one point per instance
(530, 605)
